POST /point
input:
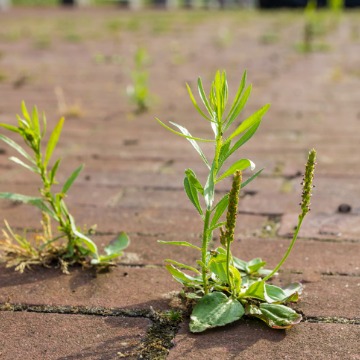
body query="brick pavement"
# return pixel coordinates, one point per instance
(133, 182)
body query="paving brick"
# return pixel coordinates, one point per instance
(250, 339)
(54, 336)
(123, 287)
(322, 226)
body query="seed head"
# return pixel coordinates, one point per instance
(307, 183)
(233, 206)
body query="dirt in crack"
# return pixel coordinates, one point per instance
(155, 345)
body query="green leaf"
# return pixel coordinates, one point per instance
(241, 164)
(256, 290)
(246, 137)
(250, 121)
(224, 152)
(181, 134)
(35, 121)
(10, 127)
(88, 242)
(239, 107)
(239, 264)
(254, 265)
(26, 166)
(53, 140)
(194, 180)
(195, 103)
(217, 265)
(192, 142)
(116, 246)
(37, 202)
(25, 113)
(204, 98)
(209, 189)
(219, 209)
(215, 309)
(235, 105)
(179, 243)
(17, 147)
(251, 178)
(71, 179)
(182, 266)
(183, 278)
(275, 294)
(192, 194)
(274, 315)
(54, 170)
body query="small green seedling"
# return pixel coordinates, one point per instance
(138, 91)
(78, 247)
(224, 287)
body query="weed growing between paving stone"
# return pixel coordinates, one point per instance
(138, 91)
(48, 247)
(226, 288)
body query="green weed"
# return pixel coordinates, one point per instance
(45, 249)
(138, 91)
(224, 287)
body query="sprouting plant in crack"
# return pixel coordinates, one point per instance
(138, 91)
(224, 287)
(78, 247)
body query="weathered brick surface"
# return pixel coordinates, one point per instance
(134, 173)
(252, 340)
(54, 336)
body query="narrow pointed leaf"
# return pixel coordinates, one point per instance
(37, 202)
(241, 164)
(239, 107)
(10, 127)
(25, 113)
(54, 170)
(251, 178)
(250, 121)
(26, 166)
(246, 137)
(16, 147)
(192, 142)
(204, 98)
(219, 209)
(54, 138)
(238, 95)
(35, 121)
(181, 277)
(182, 266)
(181, 134)
(195, 103)
(71, 179)
(209, 189)
(179, 243)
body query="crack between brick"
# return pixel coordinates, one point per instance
(330, 320)
(155, 345)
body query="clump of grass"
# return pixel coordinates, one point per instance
(68, 245)
(223, 287)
